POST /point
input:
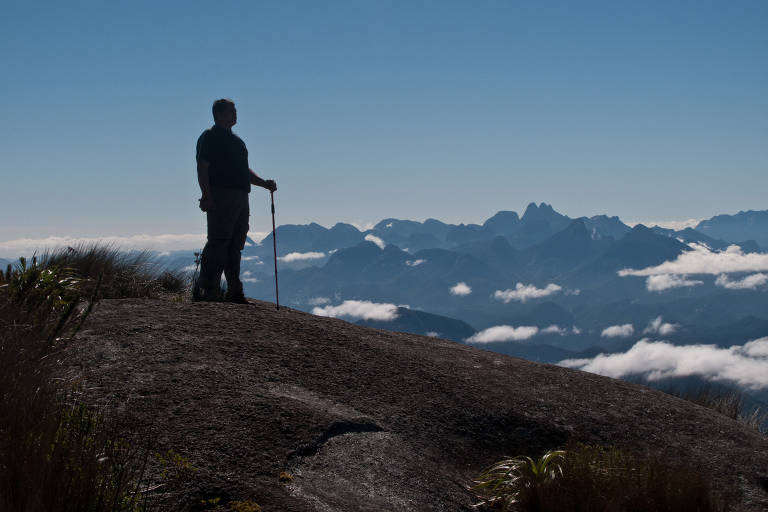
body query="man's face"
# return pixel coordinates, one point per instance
(228, 118)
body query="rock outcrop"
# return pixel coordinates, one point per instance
(366, 419)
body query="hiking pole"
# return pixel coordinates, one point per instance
(274, 246)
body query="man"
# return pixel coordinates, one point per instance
(225, 181)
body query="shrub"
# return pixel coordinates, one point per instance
(55, 453)
(123, 274)
(585, 478)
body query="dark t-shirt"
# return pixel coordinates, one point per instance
(227, 156)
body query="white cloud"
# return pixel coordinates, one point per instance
(503, 333)
(164, 254)
(255, 259)
(700, 260)
(164, 242)
(189, 268)
(301, 256)
(745, 365)
(359, 309)
(618, 331)
(658, 326)
(524, 292)
(677, 225)
(378, 241)
(576, 330)
(250, 280)
(433, 334)
(661, 282)
(26, 246)
(318, 301)
(415, 263)
(363, 226)
(461, 289)
(750, 282)
(554, 329)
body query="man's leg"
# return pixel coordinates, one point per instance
(212, 264)
(221, 222)
(236, 245)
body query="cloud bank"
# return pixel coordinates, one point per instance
(745, 365)
(359, 309)
(503, 333)
(663, 282)
(701, 260)
(677, 225)
(166, 242)
(618, 331)
(554, 329)
(524, 292)
(750, 282)
(301, 256)
(461, 289)
(657, 326)
(378, 241)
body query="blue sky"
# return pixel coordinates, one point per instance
(361, 110)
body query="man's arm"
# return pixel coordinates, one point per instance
(206, 202)
(267, 184)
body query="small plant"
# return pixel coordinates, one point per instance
(244, 506)
(285, 477)
(175, 466)
(519, 480)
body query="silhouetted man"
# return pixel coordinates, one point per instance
(225, 181)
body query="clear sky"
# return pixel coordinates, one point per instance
(362, 110)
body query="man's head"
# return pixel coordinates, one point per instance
(224, 113)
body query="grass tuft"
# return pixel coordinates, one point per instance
(585, 478)
(55, 452)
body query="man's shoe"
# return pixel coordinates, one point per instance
(237, 298)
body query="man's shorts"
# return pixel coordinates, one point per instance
(229, 218)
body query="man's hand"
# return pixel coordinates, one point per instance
(207, 204)
(270, 185)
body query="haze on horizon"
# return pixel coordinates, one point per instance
(452, 110)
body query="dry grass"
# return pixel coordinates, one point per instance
(726, 401)
(56, 453)
(585, 478)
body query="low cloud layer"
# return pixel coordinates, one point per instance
(524, 292)
(701, 260)
(677, 225)
(461, 289)
(247, 277)
(662, 282)
(359, 309)
(168, 242)
(751, 282)
(301, 256)
(745, 365)
(503, 333)
(618, 331)
(658, 326)
(554, 329)
(378, 241)
(415, 263)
